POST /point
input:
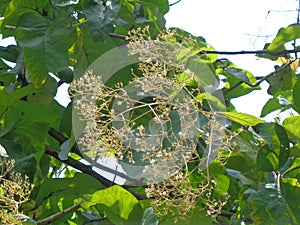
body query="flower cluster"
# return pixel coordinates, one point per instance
(14, 191)
(155, 121)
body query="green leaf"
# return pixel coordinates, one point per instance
(285, 35)
(292, 126)
(271, 105)
(54, 193)
(222, 185)
(119, 202)
(243, 118)
(281, 100)
(31, 124)
(10, 52)
(272, 57)
(266, 159)
(100, 17)
(275, 151)
(243, 75)
(217, 104)
(24, 164)
(3, 5)
(8, 98)
(296, 94)
(202, 72)
(273, 207)
(283, 80)
(291, 191)
(45, 45)
(295, 151)
(66, 121)
(163, 5)
(152, 12)
(284, 145)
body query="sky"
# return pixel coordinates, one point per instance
(235, 25)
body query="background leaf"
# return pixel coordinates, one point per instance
(45, 45)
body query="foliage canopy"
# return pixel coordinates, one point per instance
(167, 111)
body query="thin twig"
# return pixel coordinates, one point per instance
(172, 4)
(61, 214)
(261, 79)
(290, 170)
(117, 36)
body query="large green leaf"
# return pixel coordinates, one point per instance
(3, 5)
(8, 98)
(282, 81)
(292, 126)
(214, 101)
(62, 192)
(16, 9)
(45, 45)
(163, 5)
(243, 118)
(202, 72)
(290, 189)
(100, 16)
(153, 13)
(31, 123)
(285, 35)
(274, 153)
(271, 206)
(117, 201)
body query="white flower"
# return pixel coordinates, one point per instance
(3, 151)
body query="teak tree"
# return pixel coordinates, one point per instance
(159, 102)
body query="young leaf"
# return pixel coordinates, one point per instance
(285, 35)
(292, 126)
(243, 118)
(119, 202)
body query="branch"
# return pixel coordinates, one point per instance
(89, 171)
(61, 139)
(257, 52)
(261, 79)
(56, 216)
